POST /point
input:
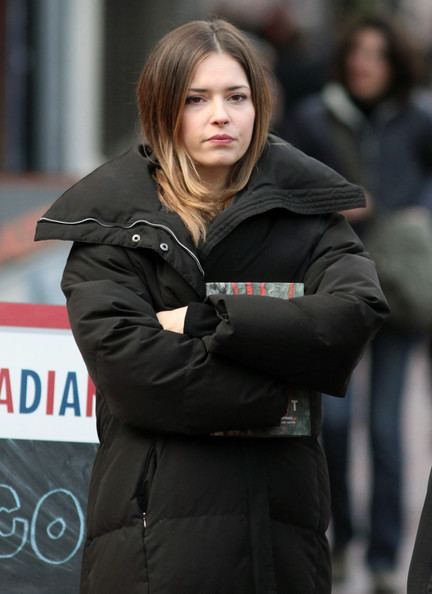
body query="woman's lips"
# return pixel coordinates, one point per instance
(221, 139)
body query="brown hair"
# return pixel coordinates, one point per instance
(161, 93)
(401, 54)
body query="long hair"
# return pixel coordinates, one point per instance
(401, 54)
(161, 94)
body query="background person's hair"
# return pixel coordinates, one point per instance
(401, 54)
(162, 91)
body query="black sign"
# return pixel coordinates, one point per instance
(43, 492)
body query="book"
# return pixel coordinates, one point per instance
(278, 290)
(297, 419)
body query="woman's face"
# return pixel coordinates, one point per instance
(218, 117)
(367, 70)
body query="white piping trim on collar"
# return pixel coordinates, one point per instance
(112, 225)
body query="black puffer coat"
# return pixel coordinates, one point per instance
(420, 569)
(172, 509)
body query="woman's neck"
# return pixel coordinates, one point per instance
(215, 179)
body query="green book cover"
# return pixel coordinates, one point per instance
(296, 420)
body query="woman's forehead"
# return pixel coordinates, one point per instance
(218, 69)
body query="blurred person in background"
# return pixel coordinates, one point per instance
(199, 486)
(366, 125)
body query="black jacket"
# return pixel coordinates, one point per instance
(173, 509)
(420, 570)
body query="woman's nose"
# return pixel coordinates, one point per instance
(220, 114)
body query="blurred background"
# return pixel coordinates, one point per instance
(68, 71)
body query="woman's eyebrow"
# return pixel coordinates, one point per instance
(233, 88)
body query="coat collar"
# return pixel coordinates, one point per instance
(122, 192)
(298, 182)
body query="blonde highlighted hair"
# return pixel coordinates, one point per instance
(161, 94)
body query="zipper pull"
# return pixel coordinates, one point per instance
(144, 518)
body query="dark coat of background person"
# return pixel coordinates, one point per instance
(172, 508)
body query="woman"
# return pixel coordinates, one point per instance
(190, 492)
(367, 125)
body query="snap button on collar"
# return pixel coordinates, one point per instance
(136, 237)
(164, 247)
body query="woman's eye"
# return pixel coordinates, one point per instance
(238, 98)
(194, 100)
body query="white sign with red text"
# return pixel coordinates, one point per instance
(45, 390)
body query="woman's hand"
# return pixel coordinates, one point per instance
(173, 319)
